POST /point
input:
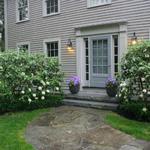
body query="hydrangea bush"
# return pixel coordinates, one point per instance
(32, 80)
(134, 81)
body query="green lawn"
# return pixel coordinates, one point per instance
(139, 130)
(12, 127)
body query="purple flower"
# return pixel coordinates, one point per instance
(73, 81)
(111, 81)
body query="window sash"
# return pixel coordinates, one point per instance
(92, 3)
(52, 6)
(23, 10)
(52, 49)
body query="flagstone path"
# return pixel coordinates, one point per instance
(75, 128)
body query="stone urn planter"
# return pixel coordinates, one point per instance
(111, 92)
(111, 87)
(74, 89)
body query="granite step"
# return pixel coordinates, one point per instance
(94, 98)
(90, 104)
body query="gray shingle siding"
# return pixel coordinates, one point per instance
(74, 13)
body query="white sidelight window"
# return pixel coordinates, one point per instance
(22, 10)
(51, 7)
(23, 46)
(92, 3)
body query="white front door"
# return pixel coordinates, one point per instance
(100, 60)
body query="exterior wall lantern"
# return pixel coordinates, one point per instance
(134, 39)
(69, 45)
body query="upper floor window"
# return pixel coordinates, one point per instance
(92, 3)
(51, 7)
(22, 10)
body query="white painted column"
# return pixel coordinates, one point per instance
(123, 41)
(80, 60)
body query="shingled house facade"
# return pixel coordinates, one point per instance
(99, 32)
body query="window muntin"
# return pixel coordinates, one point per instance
(52, 6)
(52, 49)
(23, 10)
(92, 3)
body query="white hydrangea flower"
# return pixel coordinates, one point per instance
(57, 88)
(43, 82)
(144, 90)
(40, 88)
(34, 95)
(29, 100)
(36, 98)
(147, 56)
(22, 92)
(42, 97)
(123, 84)
(43, 92)
(47, 83)
(148, 92)
(141, 95)
(48, 91)
(144, 109)
(29, 89)
(143, 79)
(23, 74)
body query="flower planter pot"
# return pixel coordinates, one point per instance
(74, 89)
(111, 92)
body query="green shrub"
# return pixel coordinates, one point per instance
(29, 81)
(135, 110)
(135, 79)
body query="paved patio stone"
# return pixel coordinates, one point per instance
(76, 128)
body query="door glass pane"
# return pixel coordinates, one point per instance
(105, 69)
(100, 70)
(95, 61)
(94, 69)
(94, 52)
(94, 43)
(100, 48)
(100, 61)
(105, 61)
(105, 48)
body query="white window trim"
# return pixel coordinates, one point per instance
(53, 40)
(89, 6)
(23, 43)
(45, 12)
(17, 13)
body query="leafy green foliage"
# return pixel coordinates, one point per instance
(135, 80)
(28, 80)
